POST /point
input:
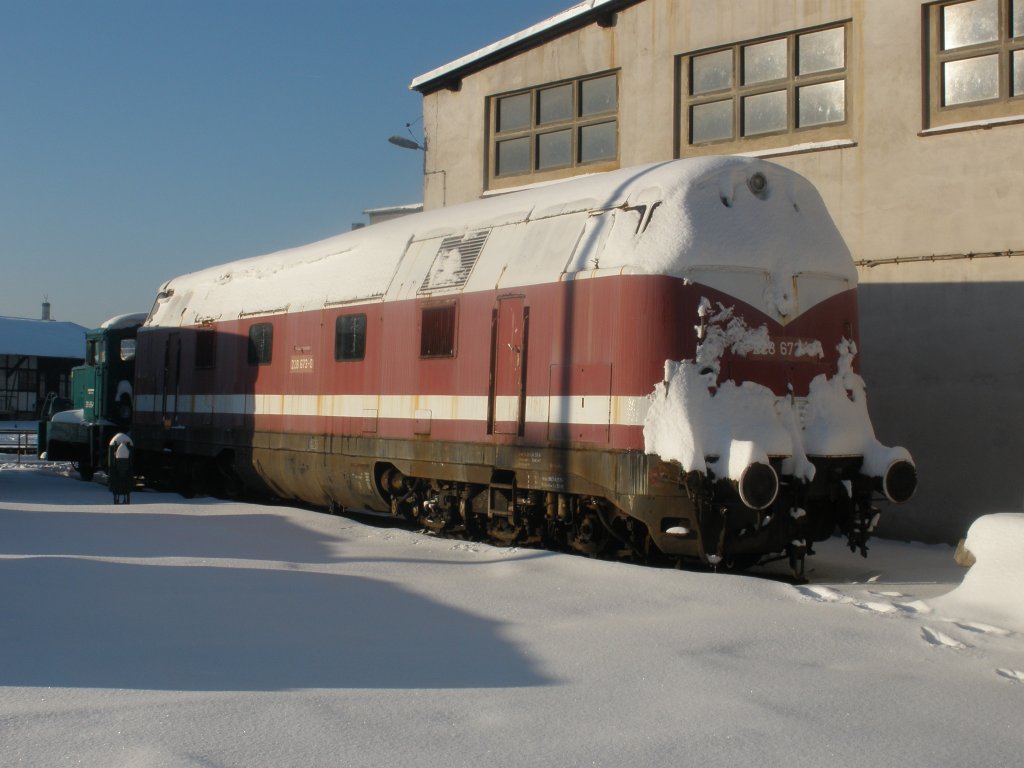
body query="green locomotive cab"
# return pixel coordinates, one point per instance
(102, 399)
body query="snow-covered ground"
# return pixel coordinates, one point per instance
(177, 632)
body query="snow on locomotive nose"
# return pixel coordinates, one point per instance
(766, 450)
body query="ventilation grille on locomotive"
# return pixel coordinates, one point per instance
(454, 261)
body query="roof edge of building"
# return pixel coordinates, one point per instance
(578, 16)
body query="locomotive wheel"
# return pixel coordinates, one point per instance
(589, 536)
(504, 532)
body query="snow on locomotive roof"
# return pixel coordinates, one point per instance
(124, 321)
(750, 223)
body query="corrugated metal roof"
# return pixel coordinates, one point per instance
(41, 338)
(577, 16)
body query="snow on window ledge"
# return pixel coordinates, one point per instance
(972, 125)
(799, 149)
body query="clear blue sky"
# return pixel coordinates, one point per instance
(141, 139)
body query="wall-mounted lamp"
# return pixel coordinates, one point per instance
(404, 143)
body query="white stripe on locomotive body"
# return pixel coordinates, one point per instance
(771, 244)
(597, 410)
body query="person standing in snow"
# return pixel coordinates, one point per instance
(121, 478)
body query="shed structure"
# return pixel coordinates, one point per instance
(36, 358)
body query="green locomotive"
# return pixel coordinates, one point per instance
(102, 399)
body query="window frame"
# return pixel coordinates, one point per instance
(260, 352)
(206, 349)
(737, 93)
(436, 348)
(339, 351)
(1006, 104)
(535, 131)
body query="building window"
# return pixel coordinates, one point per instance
(554, 127)
(350, 337)
(437, 331)
(206, 349)
(976, 60)
(787, 84)
(261, 343)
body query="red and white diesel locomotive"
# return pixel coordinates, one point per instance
(654, 363)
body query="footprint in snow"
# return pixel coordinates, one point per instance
(914, 608)
(1011, 674)
(821, 594)
(940, 639)
(876, 607)
(984, 629)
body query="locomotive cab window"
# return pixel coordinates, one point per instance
(350, 337)
(437, 331)
(127, 350)
(206, 349)
(261, 342)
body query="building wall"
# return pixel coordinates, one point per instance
(943, 340)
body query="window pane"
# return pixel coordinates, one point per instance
(711, 72)
(970, 23)
(822, 51)
(764, 113)
(261, 342)
(554, 149)
(555, 104)
(206, 349)
(709, 122)
(1018, 18)
(514, 112)
(764, 61)
(598, 95)
(350, 337)
(822, 103)
(970, 80)
(1018, 73)
(437, 332)
(597, 142)
(514, 156)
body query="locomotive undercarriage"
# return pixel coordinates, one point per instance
(506, 514)
(735, 535)
(623, 505)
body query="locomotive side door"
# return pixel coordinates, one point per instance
(172, 371)
(506, 408)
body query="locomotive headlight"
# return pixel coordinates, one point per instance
(758, 183)
(758, 485)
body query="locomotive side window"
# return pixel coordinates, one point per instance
(261, 342)
(206, 349)
(350, 337)
(437, 331)
(127, 350)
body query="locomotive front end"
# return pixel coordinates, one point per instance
(766, 419)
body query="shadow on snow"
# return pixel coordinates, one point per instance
(75, 623)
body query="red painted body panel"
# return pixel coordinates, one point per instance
(586, 338)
